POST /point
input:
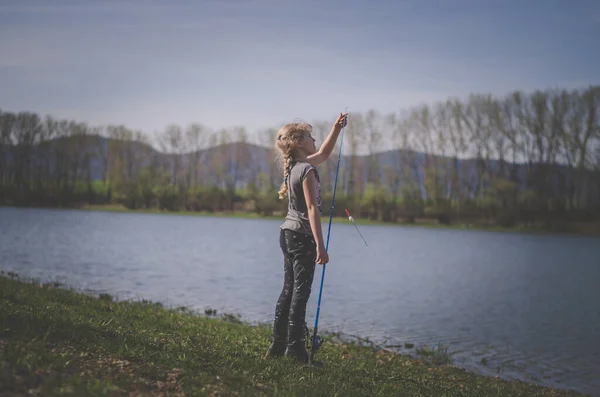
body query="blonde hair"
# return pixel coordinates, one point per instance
(288, 138)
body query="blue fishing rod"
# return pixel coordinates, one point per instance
(315, 340)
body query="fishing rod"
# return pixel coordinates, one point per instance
(315, 340)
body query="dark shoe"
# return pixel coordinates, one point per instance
(296, 348)
(299, 354)
(277, 349)
(280, 325)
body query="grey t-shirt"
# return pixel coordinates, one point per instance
(297, 215)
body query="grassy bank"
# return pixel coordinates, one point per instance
(56, 341)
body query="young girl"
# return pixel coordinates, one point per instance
(301, 237)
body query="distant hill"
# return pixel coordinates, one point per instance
(258, 159)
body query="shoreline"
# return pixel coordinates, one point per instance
(589, 231)
(52, 312)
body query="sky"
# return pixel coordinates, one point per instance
(261, 63)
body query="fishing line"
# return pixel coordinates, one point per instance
(351, 219)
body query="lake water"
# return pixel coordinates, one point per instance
(528, 304)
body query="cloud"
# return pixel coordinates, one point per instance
(260, 62)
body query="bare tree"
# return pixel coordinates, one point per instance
(460, 147)
(273, 173)
(509, 124)
(394, 173)
(27, 130)
(581, 139)
(421, 121)
(172, 142)
(244, 166)
(326, 169)
(195, 136)
(122, 162)
(403, 136)
(354, 135)
(441, 135)
(7, 141)
(218, 162)
(373, 137)
(545, 139)
(477, 122)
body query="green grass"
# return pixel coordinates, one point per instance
(57, 341)
(438, 355)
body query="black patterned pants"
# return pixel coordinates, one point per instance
(299, 256)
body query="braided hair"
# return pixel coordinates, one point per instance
(288, 138)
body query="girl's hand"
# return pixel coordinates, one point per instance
(322, 256)
(341, 121)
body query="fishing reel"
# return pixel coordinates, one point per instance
(314, 342)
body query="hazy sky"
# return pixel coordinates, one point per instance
(259, 63)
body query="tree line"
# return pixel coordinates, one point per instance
(524, 158)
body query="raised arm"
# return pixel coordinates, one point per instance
(327, 147)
